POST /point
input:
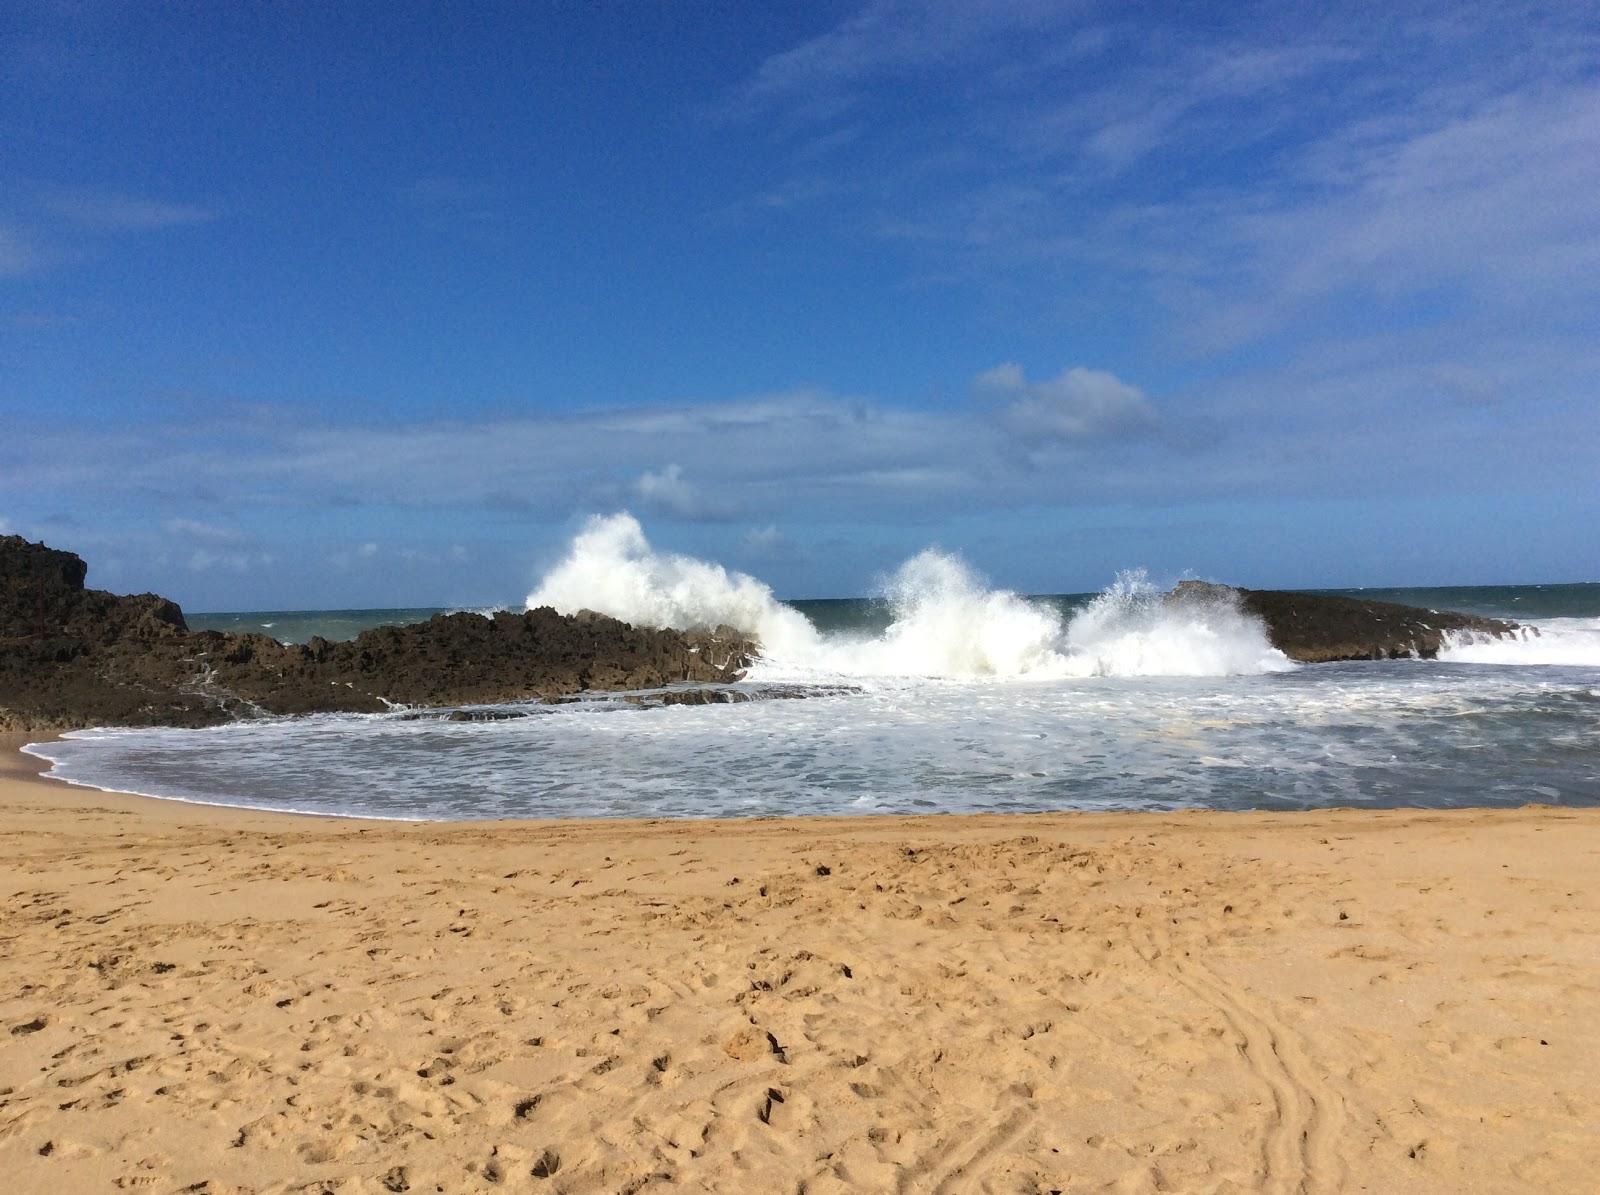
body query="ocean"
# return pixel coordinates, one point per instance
(964, 699)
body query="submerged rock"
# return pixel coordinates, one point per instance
(1322, 628)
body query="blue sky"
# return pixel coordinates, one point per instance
(307, 305)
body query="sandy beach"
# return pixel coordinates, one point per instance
(209, 1000)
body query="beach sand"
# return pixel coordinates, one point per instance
(209, 1000)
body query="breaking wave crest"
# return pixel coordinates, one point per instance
(945, 621)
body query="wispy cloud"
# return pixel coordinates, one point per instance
(1232, 171)
(60, 226)
(22, 252)
(1328, 221)
(887, 38)
(194, 529)
(110, 211)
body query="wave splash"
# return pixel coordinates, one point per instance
(946, 622)
(612, 569)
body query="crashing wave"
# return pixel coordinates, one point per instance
(945, 620)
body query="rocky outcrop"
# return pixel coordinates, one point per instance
(72, 657)
(42, 598)
(1322, 628)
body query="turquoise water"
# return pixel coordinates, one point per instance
(299, 626)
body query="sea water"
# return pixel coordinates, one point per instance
(966, 699)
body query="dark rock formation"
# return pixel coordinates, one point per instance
(72, 657)
(1319, 629)
(42, 594)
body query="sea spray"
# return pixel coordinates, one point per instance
(1133, 629)
(612, 569)
(945, 620)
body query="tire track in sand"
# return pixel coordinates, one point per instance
(1299, 1153)
(992, 1147)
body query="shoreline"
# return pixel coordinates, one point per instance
(24, 773)
(242, 1002)
(17, 765)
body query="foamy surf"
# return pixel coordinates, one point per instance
(1557, 642)
(946, 621)
(1375, 733)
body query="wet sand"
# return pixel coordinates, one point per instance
(211, 1000)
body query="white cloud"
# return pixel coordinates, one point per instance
(666, 491)
(367, 551)
(1076, 406)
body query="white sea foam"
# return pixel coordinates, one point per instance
(1574, 642)
(945, 620)
(1378, 733)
